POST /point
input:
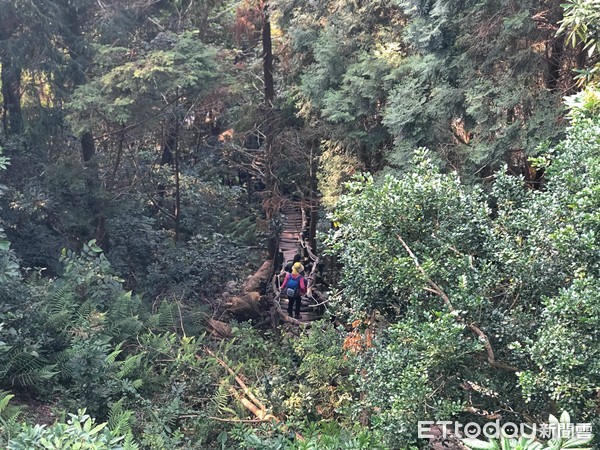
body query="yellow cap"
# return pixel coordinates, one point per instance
(297, 268)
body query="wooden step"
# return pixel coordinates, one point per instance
(289, 245)
(307, 317)
(303, 303)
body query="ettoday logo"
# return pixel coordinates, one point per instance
(495, 430)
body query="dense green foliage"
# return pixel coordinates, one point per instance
(145, 155)
(479, 83)
(451, 267)
(80, 431)
(580, 22)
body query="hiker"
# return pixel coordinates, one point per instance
(294, 287)
(297, 258)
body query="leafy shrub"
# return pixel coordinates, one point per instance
(475, 288)
(78, 432)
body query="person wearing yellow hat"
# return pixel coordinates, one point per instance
(289, 265)
(297, 268)
(294, 287)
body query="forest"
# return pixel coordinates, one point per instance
(435, 164)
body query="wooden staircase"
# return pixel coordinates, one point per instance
(290, 245)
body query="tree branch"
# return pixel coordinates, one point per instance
(253, 405)
(238, 380)
(221, 419)
(160, 208)
(434, 288)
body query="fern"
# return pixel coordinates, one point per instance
(4, 400)
(61, 299)
(129, 365)
(136, 384)
(34, 377)
(25, 368)
(164, 318)
(112, 357)
(9, 417)
(129, 443)
(60, 308)
(124, 328)
(123, 320)
(221, 400)
(167, 316)
(61, 362)
(85, 311)
(119, 419)
(59, 320)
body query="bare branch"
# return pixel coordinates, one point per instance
(237, 379)
(434, 288)
(160, 208)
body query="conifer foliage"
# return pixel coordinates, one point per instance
(147, 146)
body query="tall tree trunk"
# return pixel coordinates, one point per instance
(554, 50)
(88, 148)
(96, 200)
(166, 158)
(312, 176)
(12, 119)
(554, 64)
(170, 157)
(120, 145)
(4, 103)
(582, 56)
(267, 56)
(177, 212)
(79, 54)
(269, 117)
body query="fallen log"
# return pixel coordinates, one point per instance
(218, 329)
(248, 306)
(252, 304)
(258, 282)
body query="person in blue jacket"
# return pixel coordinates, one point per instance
(294, 287)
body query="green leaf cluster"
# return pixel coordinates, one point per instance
(429, 258)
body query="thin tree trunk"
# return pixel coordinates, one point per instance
(267, 57)
(113, 175)
(312, 176)
(177, 213)
(269, 132)
(169, 145)
(4, 101)
(166, 158)
(554, 64)
(12, 119)
(170, 157)
(102, 237)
